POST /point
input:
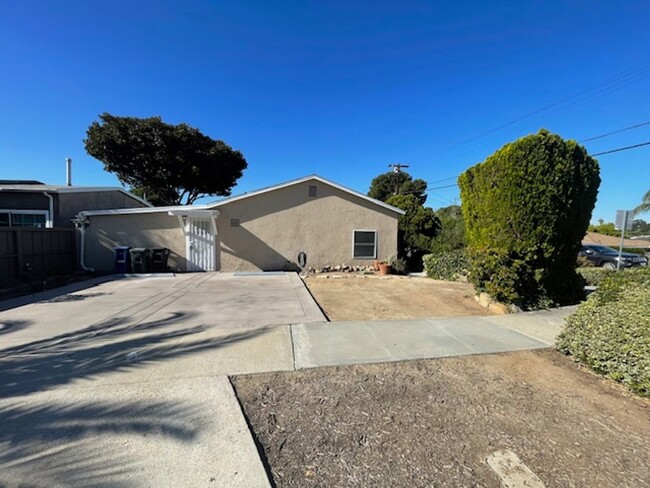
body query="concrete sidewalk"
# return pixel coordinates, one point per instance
(347, 343)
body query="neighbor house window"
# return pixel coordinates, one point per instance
(313, 191)
(365, 244)
(23, 218)
(234, 222)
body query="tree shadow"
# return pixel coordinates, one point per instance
(55, 439)
(9, 326)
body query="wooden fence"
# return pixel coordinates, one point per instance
(30, 254)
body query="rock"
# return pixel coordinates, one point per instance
(512, 308)
(484, 299)
(500, 308)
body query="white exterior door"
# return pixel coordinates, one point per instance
(200, 244)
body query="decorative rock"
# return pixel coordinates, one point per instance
(484, 299)
(501, 308)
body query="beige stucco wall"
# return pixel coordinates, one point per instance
(70, 204)
(139, 230)
(277, 225)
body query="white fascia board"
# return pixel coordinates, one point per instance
(194, 212)
(303, 180)
(141, 210)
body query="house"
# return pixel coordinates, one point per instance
(28, 203)
(262, 230)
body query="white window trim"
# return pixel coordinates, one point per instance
(46, 213)
(374, 254)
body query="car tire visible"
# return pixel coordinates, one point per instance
(609, 265)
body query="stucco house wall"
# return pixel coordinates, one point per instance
(275, 226)
(138, 230)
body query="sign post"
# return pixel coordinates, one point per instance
(623, 223)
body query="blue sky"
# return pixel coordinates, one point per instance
(340, 89)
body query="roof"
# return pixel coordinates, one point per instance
(227, 200)
(613, 241)
(41, 187)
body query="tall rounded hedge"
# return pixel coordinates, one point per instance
(526, 210)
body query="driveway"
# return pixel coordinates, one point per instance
(120, 382)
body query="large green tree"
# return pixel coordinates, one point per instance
(170, 164)
(392, 183)
(452, 230)
(526, 210)
(417, 228)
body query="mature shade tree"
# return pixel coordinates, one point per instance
(417, 228)
(452, 230)
(392, 183)
(170, 164)
(526, 210)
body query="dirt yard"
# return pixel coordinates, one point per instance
(370, 297)
(434, 422)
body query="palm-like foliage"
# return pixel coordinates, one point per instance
(645, 204)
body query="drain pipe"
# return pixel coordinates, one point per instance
(50, 218)
(81, 222)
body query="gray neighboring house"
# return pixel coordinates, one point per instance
(260, 230)
(35, 204)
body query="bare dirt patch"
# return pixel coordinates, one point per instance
(434, 422)
(369, 297)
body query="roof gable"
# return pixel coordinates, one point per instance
(305, 179)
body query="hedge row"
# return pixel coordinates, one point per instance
(610, 332)
(594, 276)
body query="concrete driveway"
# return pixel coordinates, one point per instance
(121, 382)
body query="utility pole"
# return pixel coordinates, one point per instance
(397, 169)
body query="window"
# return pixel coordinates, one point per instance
(313, 191)
(234, 222)
(365, 244)
(23, 218)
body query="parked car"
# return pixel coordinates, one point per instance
(608, 258)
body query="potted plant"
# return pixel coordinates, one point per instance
(384, 267)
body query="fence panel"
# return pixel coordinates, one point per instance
(27, 254)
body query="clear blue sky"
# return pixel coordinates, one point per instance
(340, 89)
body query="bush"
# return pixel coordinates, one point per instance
(398, 266)
(594, 276)
(610, 332)
(526, 210)
(449, 265)
(634, 250)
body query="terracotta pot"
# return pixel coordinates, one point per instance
(384, 269)
(375, 265)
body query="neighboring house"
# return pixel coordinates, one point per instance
(35, 204)
(261, 230)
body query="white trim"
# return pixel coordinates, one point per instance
(303, 180)
(27, 212)
(374, 253)
(145, 210)
(194, 212)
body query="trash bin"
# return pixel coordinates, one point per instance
(140, 260)
(159, 256)
(122, 261)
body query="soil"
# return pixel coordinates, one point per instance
(370, 297)
(434, 422)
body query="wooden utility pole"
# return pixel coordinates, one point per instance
(397, 169)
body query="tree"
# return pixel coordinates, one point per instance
(452, 230)
(526, 210)
(644, 206)
(605, 228)
(389, 184)
(417, 228)
(170, 164)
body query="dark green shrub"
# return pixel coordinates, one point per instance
(634, 250)
(610, 332)
(451, 236)
(594, 276)
(398, 266)
(526, 210)
(449, 265)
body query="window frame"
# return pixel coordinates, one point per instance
(11, 211)
(374, 254)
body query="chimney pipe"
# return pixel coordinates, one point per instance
(68, 172)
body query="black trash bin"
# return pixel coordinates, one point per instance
(140, 260)
(159, 257)
(122, 261)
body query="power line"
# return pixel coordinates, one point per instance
(615, 132)
(619, 149)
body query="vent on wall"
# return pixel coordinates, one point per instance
(234, 222)
(313, 191)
